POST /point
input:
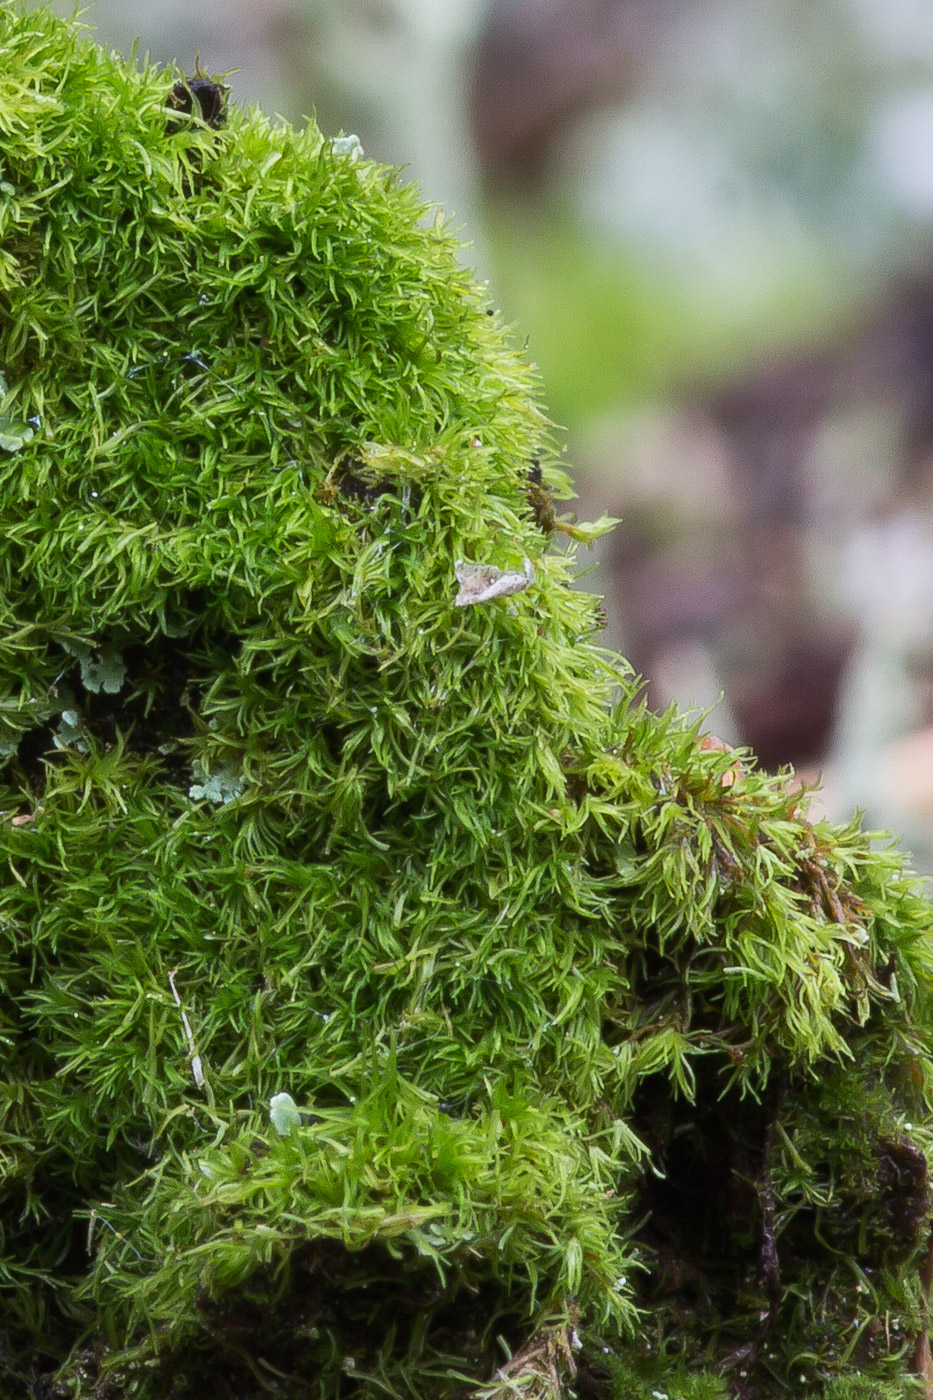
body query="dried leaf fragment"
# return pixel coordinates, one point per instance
(480, 583)
(713, 743)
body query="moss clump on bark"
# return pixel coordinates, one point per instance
(391, 1006)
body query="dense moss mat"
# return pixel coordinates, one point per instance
(391, 1006)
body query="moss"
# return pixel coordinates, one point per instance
(595, 1064)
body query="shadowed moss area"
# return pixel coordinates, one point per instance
(391, 1005)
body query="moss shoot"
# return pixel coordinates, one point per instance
(391, 1006)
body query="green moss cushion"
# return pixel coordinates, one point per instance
(390, 1005)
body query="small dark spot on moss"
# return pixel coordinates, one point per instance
(210, 97)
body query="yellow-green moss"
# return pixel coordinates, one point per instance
(598, 1053)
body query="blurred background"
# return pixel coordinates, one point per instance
(713, 221)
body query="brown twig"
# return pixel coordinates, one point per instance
(923, 1356)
